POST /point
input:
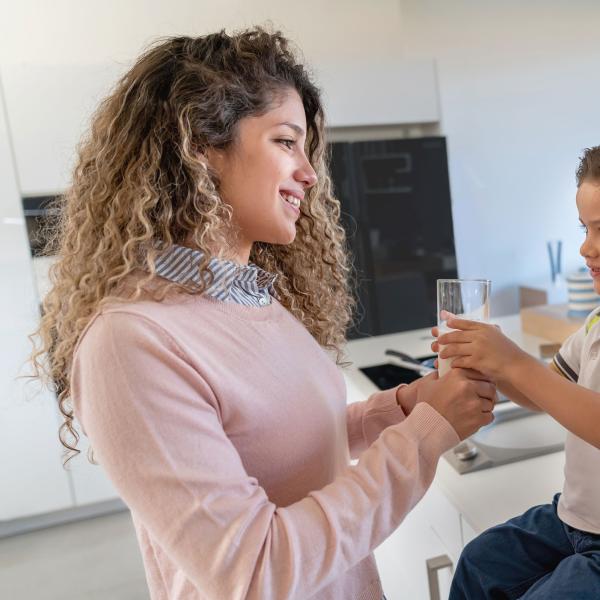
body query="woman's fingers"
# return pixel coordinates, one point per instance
(486, 390)
(488, 418)
(487, 405)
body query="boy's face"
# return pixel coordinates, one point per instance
(588, 205)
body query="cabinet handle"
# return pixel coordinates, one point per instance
(433, 566)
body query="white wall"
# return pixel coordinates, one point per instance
(519, 95)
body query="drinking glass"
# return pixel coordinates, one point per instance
(463, 298)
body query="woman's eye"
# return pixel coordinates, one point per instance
(289, 144)
(583, 227)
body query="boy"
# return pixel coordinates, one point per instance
(551, 551)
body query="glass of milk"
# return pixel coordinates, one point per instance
(465, 299)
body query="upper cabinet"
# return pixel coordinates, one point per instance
(10, 200)
(49, 106)
(49, 109)
(386, 91)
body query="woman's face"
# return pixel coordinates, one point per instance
(265, 173)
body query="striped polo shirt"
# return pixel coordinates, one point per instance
(248, 285)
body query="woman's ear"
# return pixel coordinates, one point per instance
(212, 159)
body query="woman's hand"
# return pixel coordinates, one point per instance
(406, 395)
(465, 403)
(481, 347)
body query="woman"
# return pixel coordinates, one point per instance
(201, 285)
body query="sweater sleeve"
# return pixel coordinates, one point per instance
(164, 447)
(367, 419)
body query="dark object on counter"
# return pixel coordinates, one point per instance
(396, 209)
(388, 375)
(408, 362)
(37, 219)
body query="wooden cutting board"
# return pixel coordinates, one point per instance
(550, 321)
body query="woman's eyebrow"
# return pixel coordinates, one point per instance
(293, 126)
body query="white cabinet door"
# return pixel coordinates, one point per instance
(10, 199)
(45, 133)
(32, 479)
(31, 474)
(90, 484)
(402, 559)
(391, 91)
(445, 520)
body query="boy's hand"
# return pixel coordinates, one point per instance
(481, 347)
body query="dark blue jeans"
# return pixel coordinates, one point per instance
(532, 557)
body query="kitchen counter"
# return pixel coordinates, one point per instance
(484, 498)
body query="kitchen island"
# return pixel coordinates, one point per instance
(457, 507)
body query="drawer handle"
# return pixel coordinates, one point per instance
(433, 566)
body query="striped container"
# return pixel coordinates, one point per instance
(583, 299)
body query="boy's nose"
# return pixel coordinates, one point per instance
(588, 249)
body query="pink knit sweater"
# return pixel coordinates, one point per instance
(225, 430)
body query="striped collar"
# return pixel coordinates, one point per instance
(248, 285)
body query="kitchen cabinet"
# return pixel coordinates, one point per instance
(10, 200)
(445, 521)
(33, 480)
(392, 91)
(402, 558)
(45, 134)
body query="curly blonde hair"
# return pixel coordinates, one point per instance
(139, 187)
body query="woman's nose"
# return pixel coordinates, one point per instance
(306, 175)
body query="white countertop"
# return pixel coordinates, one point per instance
(487, 497)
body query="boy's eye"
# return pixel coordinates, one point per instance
(289, 144)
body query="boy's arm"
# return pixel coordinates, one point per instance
(516, 396)
(575, 407)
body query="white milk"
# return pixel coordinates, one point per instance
(444, 364)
